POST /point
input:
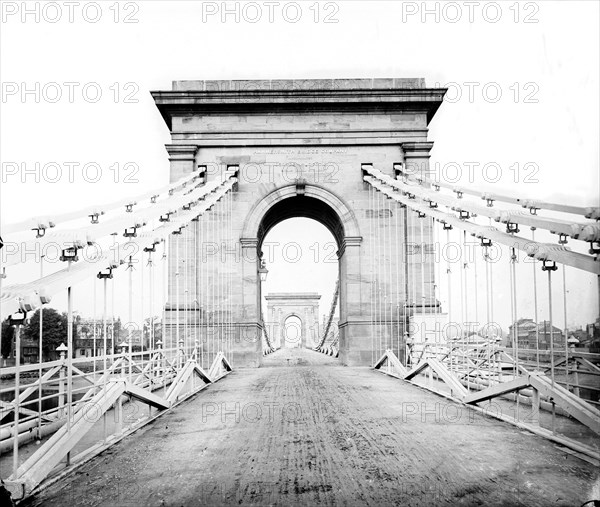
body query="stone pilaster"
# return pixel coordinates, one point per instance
(248, 349)
(355, 341)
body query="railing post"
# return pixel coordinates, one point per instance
(123, 356)
(426, 356)
(17, 327)
(119, 403)
(61, 380)
(119, 416)
(576, 384)
(161, 365)
(181, 353)
(130, 359)
(153, 366)
(156, 363)
(69, 362)
(535, 406)
(195, 357)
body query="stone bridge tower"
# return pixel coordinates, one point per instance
(298, 148)
(304, 306)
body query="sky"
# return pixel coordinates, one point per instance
(523, 83)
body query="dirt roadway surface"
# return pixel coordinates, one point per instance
(305, 431)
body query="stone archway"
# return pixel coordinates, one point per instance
(299, 148)
(292, 332)
(327, 208)
(303, 305)
(318, 203)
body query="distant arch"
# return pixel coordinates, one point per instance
(301, 325)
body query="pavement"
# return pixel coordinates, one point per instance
(304, 430)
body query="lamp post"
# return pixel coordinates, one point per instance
(263, 271)
(17, 320)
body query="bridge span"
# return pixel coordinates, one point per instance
(305, 430)
(472, 302)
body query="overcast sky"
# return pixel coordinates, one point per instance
(523, 88)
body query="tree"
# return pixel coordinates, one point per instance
(8, 333)
(54, 330)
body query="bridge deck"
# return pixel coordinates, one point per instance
(304, 430)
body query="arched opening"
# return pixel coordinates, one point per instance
(301, 256)
(292, 332)
(300, 241)
(302, 206)
(315, 204)
(309, 201)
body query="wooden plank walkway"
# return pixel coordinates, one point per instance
(304, 430)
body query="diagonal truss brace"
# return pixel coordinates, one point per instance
(542, 386)
(569, 402)
(219, 368)
(389, 360)
(190, 370)
(40, 464)
(37, 467)
(456, 388)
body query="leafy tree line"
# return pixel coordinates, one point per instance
(54, 332)
(7, 338)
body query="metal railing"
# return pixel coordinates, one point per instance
(75, 397)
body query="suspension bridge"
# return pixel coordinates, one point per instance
(416, 395)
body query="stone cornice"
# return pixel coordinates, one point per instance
(182, 152)
(206, 97)
(417, 149)
(298, 84)
(295, 296)
(349, 241)
(191, 98)
(249, 242)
